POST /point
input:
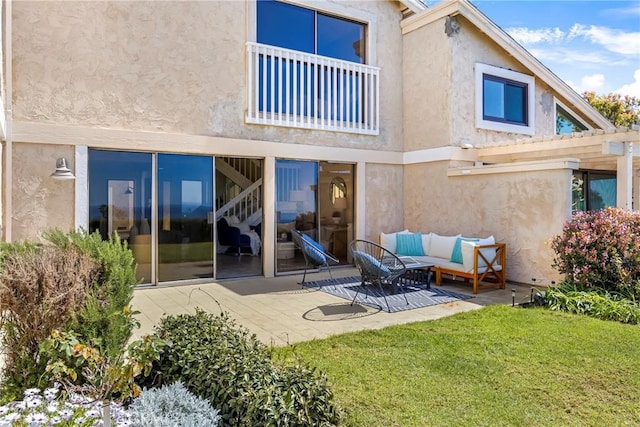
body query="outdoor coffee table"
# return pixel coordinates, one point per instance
(418, 273)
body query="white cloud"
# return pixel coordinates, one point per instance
(611, 39)
(594, 83)
(525, 35)
(631, 89)
(569, 56)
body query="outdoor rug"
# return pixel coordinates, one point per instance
(369, 295)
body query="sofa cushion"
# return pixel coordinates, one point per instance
(389, 241)
(456, 254)
(426, 243)
(467, 254)
(409, 244)
(442, 246)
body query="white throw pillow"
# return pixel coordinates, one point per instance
(244, 227)
(442, 246)
(389, 241)
(467, 253)
(426, 243)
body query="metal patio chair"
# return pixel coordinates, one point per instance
(378, 266)
(315, 256)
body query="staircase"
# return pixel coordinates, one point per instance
(242, 193)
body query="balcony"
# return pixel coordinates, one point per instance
(296, 89)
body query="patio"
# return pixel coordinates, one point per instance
(279, 312)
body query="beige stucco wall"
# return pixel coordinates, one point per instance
(384, 200)
(523, 209)
(426, 87)
(39, 201)
(170, 67)
(440, 87)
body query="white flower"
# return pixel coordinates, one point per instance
(52, 407)
(13, 416)
(31, 391)
(21, 405)
(4, 409)
(33, 401)
(66, 413)
(36, 418)
(55, 420)
(51, 393)
(92, 413)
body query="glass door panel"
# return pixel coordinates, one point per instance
(336, 197)
(120, 202)
(185, 217)
(296, 208)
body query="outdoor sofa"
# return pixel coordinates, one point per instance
(479, 260)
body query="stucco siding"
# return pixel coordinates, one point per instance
(470, 46)
(384, 200)
(426, 87)
(175, 67)
(40, 202)
(523, 209)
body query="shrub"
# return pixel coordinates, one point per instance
(223, 363)
(172, 405)
(599, 304)
(106, 314)
(76, 282)
(601, 249)
(41, 288)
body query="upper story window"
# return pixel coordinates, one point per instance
(567, 123)
(305, 30)
(504, 100)
(307, 69)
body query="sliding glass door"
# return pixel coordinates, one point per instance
(185, 217)
(166, 217)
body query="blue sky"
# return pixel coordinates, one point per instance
(591, 45)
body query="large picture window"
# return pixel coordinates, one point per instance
(504, 100)
(594, 190)
(305, 30)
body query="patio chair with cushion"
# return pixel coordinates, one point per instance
(315, 256)
(378, 267)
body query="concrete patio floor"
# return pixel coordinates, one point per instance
(279, 312)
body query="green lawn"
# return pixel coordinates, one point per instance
(490, 367)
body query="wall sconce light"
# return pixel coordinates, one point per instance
(62, 171)
(129, 190)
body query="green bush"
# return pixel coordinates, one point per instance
(601, 249)
(599, 304)
(42, 288)
(75, 282)
(106, 314)
(172, 405)
(223, 363)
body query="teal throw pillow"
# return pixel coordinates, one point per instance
(456, 255)
(409, 244)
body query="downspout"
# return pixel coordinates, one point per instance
(8, 131)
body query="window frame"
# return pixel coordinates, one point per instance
(504, 75)
(368, 19)
(557, 103)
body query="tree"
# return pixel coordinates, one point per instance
(621, 110)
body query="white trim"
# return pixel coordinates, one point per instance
(557, 102)
(119, 139)
(480, 70)
(540, 165)
(439, 154)
(81, 213)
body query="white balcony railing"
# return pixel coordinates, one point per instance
(296, 89)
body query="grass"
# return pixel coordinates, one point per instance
(495, 366)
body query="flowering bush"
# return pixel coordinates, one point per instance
(45, 408)
(601, 249)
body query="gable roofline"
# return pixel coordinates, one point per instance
(415, 6)
(506, 42)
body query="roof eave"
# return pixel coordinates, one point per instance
(499, 36)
